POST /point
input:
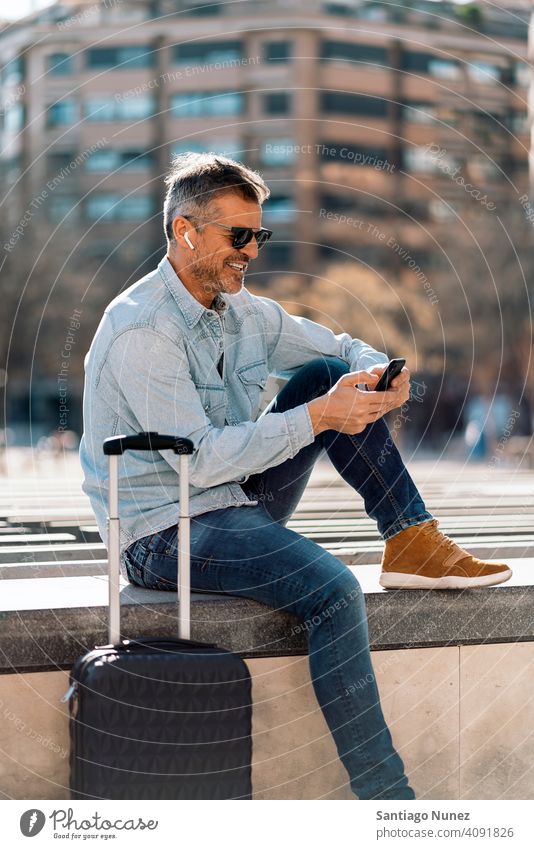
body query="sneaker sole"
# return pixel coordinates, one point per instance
(401, 581)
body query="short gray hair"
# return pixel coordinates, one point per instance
(196, 178)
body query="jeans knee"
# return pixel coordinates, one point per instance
(327, 370)
(345, 587)
(338, 593)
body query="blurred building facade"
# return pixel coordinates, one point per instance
(365, 111)
(377, 125)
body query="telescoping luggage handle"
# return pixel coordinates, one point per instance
(114, 446)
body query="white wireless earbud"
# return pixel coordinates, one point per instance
(188, 240)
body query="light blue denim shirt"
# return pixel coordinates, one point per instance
(152, 366)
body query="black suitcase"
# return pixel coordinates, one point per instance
(158, 718)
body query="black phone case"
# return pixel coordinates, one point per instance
(387, 376)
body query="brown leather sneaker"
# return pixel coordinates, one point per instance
(422, 557)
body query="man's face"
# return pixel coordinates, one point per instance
(215, 265)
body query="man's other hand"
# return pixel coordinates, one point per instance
(401, 382)
(349, 409)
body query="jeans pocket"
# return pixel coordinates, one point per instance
(162, 542)
(152, 570)
(152, 563)
(135, 558)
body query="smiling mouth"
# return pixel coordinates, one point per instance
(238, 266)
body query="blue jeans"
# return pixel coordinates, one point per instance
(249, 551)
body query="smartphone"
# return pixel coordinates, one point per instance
(393, 368)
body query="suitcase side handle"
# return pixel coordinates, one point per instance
(114, 447)
(147, 441)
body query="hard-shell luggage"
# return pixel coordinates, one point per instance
(158, 718)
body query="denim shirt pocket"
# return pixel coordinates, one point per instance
(254, 378)
(213, 398)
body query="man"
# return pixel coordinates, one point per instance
(188, 350)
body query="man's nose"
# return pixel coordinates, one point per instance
(250, 249)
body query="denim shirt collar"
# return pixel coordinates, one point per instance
(192, 309)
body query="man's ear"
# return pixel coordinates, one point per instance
(184, 232)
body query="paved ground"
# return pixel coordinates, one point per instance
(46, 519)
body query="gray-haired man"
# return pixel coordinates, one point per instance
(188, 350)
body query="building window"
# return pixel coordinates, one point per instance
(344, 51)
(110, 206)
(123, 58)
(441, 210)
(518, 122)
(278, 254)
(60, 64)
(278, 152)
(136, 208)
(523, 74)
(484, 72)
(101, 109)
(487, 123)
(351, 154)
(102, 206)
(420, 159)
(13, 71)
(419, 113)
(135, 108)
(372, 255)
(413, 60)
(444, 69)
(375, 13)
(338, 9)
(483, 168)
(344, 103)
(14, 118)
(277, 51)
(333, 252)
(61, 206)
(209, 52)
(100, 251)
(109, 109)
(59, 159)
(277, 103)
(226, 147)
(102, 161)
(337, 203)
(200, 104)
(11, 168)
(428, 63)
(61, 113)
(447, 115)
(136, 160)
(198, 10)
(355, 203)
(415, 208)
(279, 208)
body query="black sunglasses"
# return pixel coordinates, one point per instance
(241, 236)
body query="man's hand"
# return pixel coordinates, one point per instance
(402, 381)
(348, 409)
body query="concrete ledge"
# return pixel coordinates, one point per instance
(461, 718)
(47, 622)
